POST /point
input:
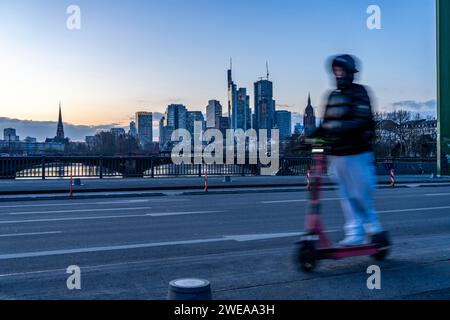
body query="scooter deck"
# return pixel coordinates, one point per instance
(337, 253)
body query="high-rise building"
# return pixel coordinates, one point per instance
(298, 129)
(176, 116)
(9, 135)
(144, 122)
(243, 114)
(224, 125)
(165, 133)
(238, 105)
(309, 118)
(264, 105)
(132, 132)
(232, 96)
(192, 118)
(213, 114)
(284, 123)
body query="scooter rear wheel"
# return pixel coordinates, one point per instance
(307, 256)
(383, 243)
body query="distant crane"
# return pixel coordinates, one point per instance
(267, 74)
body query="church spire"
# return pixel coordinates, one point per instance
(60, 128)
(309, 98)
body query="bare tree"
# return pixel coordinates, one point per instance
(401, 130)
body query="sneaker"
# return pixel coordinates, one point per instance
(351, 241)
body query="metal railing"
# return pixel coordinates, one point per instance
(115, 166)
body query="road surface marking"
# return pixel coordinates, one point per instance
(414, 209)
(79, 210)
(91, 203)
(28, 234)
(73, 219)
(437, 194)
(298, 200)
(101, 217)
(179, 213)
(238, 238)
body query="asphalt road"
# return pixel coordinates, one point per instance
(243, 243)
(38, 186)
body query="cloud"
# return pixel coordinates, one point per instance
(287, 106)
(425, 108)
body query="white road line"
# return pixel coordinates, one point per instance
(238, 238)
(297, 200)
(73, 219)
(91, 203)
(414, 209)
(104, 217)
(28, 234)
(437, 194)
(166, 214)
(78, 210)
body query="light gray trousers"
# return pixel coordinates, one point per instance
(356, 180)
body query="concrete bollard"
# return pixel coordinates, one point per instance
(189, 289)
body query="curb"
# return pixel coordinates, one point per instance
(83, 197)
(201, 187)
(201, 193)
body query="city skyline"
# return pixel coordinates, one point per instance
(105, 72)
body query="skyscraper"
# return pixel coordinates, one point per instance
(309, 119)
(284, 123)
(144, 122)
(264, 105)
(192, 117)
(243, 114)
(238, 105)
(165, 134)
(132, 132)
(298, 130)
(176, 116)
(10, 135)
(213, 114)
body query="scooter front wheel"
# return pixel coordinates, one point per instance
(307, 255)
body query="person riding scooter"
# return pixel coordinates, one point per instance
(349, 129)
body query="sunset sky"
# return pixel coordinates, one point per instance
(142, 55)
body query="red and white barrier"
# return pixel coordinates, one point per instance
(206, 180)
(71, 186)
(392, 176)
(308, 180)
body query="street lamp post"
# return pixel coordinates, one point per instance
(443, 83)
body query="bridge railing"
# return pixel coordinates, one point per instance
(102, 167)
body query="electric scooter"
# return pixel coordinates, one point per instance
(314, 244)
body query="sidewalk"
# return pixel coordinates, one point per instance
(26, 187)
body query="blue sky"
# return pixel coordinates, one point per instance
(143, 55)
